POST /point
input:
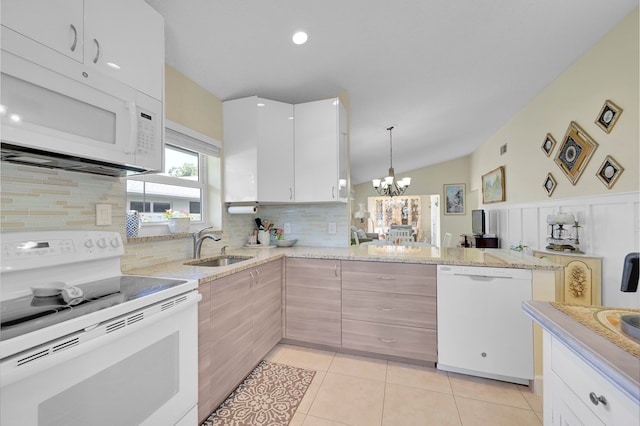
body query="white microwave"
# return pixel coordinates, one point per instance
(51, 120)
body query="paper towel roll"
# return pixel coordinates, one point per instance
(243, 210)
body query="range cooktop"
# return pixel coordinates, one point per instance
(28, 313)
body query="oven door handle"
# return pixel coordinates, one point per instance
(51, 354)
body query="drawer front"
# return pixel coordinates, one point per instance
(403, 278)
(394, 340)
(389, 308)
(584, 380)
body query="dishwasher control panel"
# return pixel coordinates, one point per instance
(484, 271)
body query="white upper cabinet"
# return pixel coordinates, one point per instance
(56, 24)
(321, 151)
(122, 39)
(125, 40)
(258, 150)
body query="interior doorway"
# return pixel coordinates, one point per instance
(421, 212)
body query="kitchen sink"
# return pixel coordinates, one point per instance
(223, 260)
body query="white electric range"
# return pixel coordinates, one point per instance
(81, 343)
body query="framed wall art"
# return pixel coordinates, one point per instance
(575, 152)
(548, 144)
(609, 171)
(454, 198)
(493, 186)
(608, 116)
(549, 184)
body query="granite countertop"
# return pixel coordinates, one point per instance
(617, 365)
(402, 254)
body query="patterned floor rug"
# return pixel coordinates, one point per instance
(269, 396)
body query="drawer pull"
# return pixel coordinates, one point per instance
(382, 308)
(595, 399)
(385, 278)
(387, 340)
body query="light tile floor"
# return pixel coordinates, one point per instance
(353, 390)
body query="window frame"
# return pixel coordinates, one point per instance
(202, 183)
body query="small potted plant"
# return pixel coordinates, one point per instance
(178, 221)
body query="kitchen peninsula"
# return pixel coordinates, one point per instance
(368, 300)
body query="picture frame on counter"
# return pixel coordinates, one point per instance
(549, 184)
(608, 116)
(575, 152)
(454, 198)
(548, 144)
(609, 171)
(493, 186)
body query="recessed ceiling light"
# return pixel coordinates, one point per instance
(260, 104)
(300, 37)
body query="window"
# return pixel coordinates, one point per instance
(189, 182)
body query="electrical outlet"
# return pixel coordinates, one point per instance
(503, 149)
(287, 228)
(332, 228)
(103, 214)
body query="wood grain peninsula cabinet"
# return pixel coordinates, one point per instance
(240, 321)
(80, 37)
(312, 301)
(581, 279)
(390, 309)
(258, 150)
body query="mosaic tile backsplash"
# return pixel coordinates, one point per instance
(35, 199)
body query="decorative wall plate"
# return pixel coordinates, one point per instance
(548, 144)
(549, 184)
(575, 152)
(608, 116)
(609, 171)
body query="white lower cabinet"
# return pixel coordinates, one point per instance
(576, 394)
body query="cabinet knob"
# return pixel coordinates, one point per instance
(595, 399)
(484, 354)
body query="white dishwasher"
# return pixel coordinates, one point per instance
(482, 330)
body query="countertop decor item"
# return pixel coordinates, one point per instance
(389, 186)
(286, 243)
(134, 221)
(575, 152)
(179, 225)
(608, 116)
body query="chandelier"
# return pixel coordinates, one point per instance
(389, 186)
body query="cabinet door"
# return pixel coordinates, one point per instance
(275, 152)
(313, 312)
(267, 308)
(57, 24)
(231, 333)
(316, 151)
(124, 39)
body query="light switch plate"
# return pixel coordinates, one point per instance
(103, 214)
(332, 228)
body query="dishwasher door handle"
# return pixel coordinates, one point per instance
(482, 277)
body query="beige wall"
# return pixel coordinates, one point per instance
(609, 70)
(427, 181)
(191, 105)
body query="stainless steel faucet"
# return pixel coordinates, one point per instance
(198, 239)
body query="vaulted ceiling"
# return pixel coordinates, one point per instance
(446, 74)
